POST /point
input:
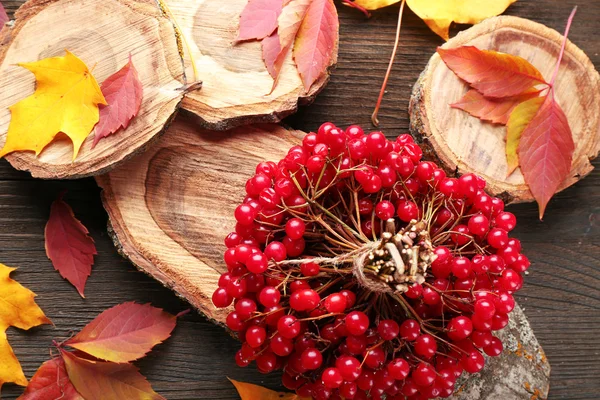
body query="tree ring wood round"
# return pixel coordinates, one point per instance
(462, 143)
(113, 30)
(171, 207)
(235, 82)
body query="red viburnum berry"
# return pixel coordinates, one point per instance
(365, 272)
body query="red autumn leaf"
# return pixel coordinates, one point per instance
(123, 92)
(124, 333)
(493, 110)
(271, 50)
(51, 382)
(68, 245)
(546, 151)
(3, 16)
(99, 380)
(315, 42)
(492, 73)
(259, 19)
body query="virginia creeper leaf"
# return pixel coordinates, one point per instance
(439, 14)
(66, 99)
(98, 380)
(259, 19)
(271, 49)
(248, 391)
(123, 91)
(68, 245)
(289, 21)
(315, 41)
(51, 382)
(124, 333)
(546, 151)
(493, 110)
(492, 73)
(18, 309)
(518, 121)
(3, 16)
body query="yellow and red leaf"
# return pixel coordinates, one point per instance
(493, 110)
(546, 151)
(99, 380)
(492, 73)
(315, 42)
(516, 124)
(124, 333)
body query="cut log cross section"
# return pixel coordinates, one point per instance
(463, 143)
(113, 30)
(236, 86)
(171, 207)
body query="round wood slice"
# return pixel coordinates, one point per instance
(464, 143)
(102, 33)
(171, 208)
(235, 82)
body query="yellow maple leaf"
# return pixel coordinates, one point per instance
(439, 14)
(248, 391)
(18, 309)
(65, 100)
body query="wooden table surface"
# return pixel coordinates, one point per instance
(561, 295)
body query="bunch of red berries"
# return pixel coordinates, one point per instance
(364, 272)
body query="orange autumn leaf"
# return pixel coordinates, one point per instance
(68, 245)
(492, 73)
(546, 151)
(124, 333)
(516, 124)
(248, 391)
(439, 14)
(66, 99)
(18, 309)
(493, 110)
(99, 380)
(51, 382)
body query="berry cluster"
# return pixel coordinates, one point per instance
(364, 272)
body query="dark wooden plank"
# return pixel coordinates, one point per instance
(562, 292)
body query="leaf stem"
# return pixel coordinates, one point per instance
(374, 118)
(352, 4)
(562, 49)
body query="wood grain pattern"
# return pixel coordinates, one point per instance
(172, 207)
(561, 296)
(236, 86)
(466, 144)
(119, 28)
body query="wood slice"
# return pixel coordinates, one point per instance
(235, 82)
(171, 207)
(102, 33)
(463, 143)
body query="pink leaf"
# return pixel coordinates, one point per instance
(3, 16)
(271, 50)
(546, 151)
(51, 382)
(98, 380)
(493, 110)
(68, 245)
(315, 42)
(123, 92)
(290, 20)
(124, 333)
(492, 73)
(259, 19)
